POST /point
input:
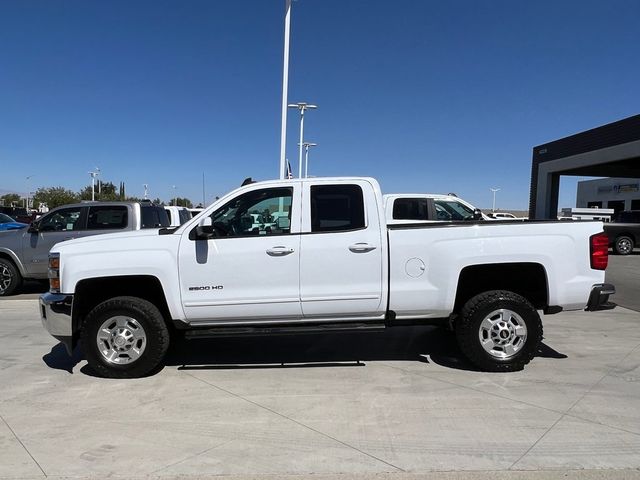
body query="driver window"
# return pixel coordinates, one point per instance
(450, 210)
(261, 212)
(64, 220)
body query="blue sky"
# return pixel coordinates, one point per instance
(426, 96)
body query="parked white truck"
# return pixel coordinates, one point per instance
(329, 262)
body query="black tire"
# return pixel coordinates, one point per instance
(141, 314)
(518, 312)
(623, 245)
(10, 278)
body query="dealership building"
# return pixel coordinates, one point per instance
(611, 151)
(616, 193)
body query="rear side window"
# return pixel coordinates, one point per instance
(336, 208)
(410, 209)
(154, 217)
(108, 217)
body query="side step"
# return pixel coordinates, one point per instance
(282, 330)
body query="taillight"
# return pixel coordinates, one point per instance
(599, 251)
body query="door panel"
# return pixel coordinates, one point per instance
(251, 269)
(57, 226)
(341, 260)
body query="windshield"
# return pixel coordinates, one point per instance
(6, 218)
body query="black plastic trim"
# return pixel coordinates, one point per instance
(599, 297)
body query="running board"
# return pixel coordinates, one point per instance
(282, 330)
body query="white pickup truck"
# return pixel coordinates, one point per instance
(328, 262)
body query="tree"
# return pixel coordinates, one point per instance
(181, 202)
(9, 199)
(54, 197)
(107, 192)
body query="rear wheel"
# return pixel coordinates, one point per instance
(10, 278)
(499, 331)
(125, 337)
(623, 245)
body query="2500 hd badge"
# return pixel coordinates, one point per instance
(206, 288)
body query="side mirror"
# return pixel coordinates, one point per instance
(477, 214)
(205, 229)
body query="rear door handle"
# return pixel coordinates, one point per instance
(279, 251)
(361, 247)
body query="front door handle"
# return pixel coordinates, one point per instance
(279, 251)
(361, 247)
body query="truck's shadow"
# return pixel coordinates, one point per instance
(343, 349)
(335, 349)
(417, 344)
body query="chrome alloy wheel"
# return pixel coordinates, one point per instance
(121, 340)
(502, 333)
(5, 278)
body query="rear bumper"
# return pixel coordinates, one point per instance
(599, 298)
(55, 314)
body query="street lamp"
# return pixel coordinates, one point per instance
(94, 174)
(494, 190)
(302, 106)
(175, 199)
(29, 189)
(285, 86)
(306, 146)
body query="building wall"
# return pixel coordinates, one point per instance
(616, 193)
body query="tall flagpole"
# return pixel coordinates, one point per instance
(285, 87)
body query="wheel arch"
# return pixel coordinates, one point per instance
(528, 280)
(91, 292)
(631, 235)
(10, 255)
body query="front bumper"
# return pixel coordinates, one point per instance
(55, 314)
(599, 298)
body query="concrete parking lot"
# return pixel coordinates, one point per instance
(397, 404)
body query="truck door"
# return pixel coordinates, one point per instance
(57, 226)
(341, 265)
(251, 268)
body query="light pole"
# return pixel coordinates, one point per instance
(94, 174)
(306, 146)
(302, 106)
(175, 199)
(29, 189)
(99, 183)
(494, 190)
(285, 86)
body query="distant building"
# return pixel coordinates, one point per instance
(616, 193)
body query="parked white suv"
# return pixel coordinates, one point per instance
(428, 207)
(177, 215)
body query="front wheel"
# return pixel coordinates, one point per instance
(10, 279)
(499, 331)
(125, 337)
(623, 245)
